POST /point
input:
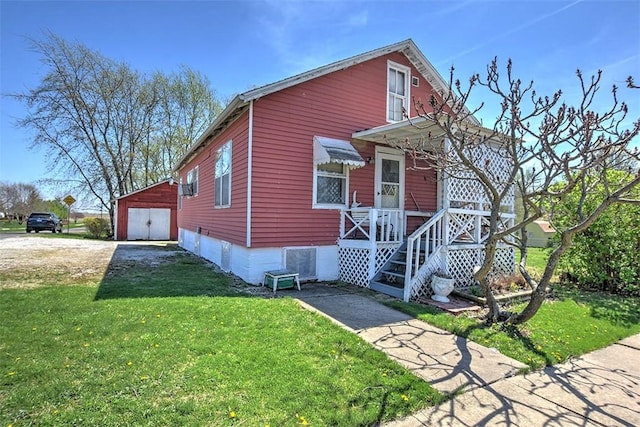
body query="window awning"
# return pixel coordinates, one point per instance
(329, 150)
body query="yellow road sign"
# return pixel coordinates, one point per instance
(69, 200)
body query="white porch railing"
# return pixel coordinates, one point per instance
(433, 245)
(388, 224)
(368, 238)
(422, 247)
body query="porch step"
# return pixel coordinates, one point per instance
(393, 273)
(398, 261)
(387, 289)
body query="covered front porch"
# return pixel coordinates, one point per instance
(384, 258)
(396, 250)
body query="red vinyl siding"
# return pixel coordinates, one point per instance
(160, 196)
(198, 211)
(285, 122)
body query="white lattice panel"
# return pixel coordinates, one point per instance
(461, 263)
(505, 261)
(384, 252)
(464, 187)
(421, 285)
(354, 266)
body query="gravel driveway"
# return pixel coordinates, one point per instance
(31, 261)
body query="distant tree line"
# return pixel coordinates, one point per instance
(18, 200)
(107, 128)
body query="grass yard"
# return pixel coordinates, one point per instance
(174, 344)
(570, 324)
(536, 259)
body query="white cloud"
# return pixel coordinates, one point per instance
(305, 35)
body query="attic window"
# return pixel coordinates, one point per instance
(415, 81)
(397, 91)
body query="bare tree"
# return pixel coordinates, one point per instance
(103, 123)
(550, 149)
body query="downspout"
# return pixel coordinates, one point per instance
(115, 221)
(249, 172)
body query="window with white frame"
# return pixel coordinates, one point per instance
(330, 189)
(398, 77)
(222, 196)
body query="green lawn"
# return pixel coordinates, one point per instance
(7, 226)
(536, 259)
(176, 345)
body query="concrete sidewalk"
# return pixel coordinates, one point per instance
(448, 362)
(599, 388)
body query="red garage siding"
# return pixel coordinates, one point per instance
(158, 196)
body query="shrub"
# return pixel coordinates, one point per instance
(606, 257)
(97, 227)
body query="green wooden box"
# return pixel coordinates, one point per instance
(283, 283)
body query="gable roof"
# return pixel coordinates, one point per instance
(165, 181)
(545, 226)
(240, 103)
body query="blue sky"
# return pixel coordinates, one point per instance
(242, 44)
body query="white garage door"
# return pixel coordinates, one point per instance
(148, 224)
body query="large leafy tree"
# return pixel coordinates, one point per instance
(108, 128)
(546, 140)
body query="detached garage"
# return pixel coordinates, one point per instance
(148, 214)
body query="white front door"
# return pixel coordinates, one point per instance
(389, 192)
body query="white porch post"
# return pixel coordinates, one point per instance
(373, 247)
(477, 236)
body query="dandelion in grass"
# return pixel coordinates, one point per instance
(85, 345)
(404, 397)
(232, 415)
(129, 363)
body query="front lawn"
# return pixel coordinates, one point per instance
(175, 345)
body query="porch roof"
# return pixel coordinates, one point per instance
(416, 131)
(329, 150)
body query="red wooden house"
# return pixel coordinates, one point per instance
(297, 174)
(148, 214)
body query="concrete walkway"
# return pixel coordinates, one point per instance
(601, 388)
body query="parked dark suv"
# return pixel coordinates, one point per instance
(38, 221)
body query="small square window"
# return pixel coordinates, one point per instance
(330, 185)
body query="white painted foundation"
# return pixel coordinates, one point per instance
(249, 263)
